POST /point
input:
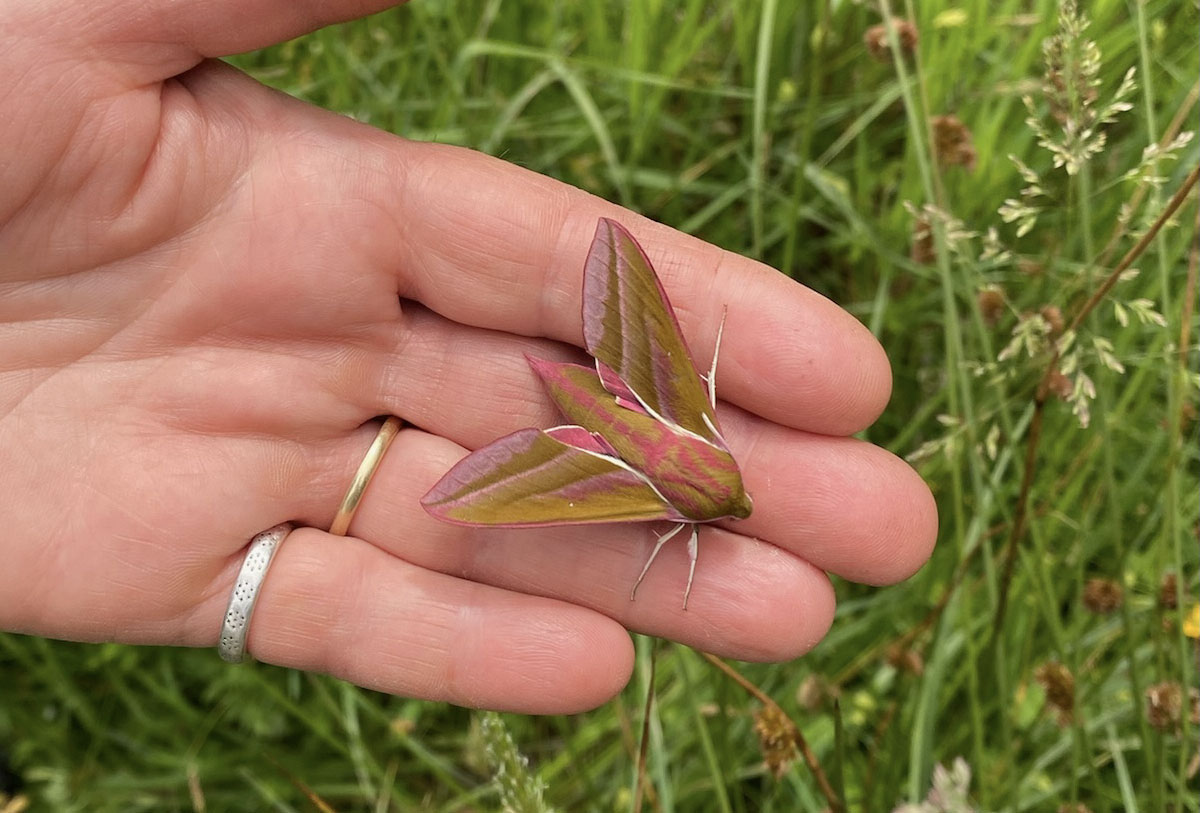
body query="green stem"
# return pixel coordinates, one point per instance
(803, 151)
(762, 76)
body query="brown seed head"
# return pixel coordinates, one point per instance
(1164, 705)
(1102, 596)
(777, 736)
(1168, 592)
(1054, 318)
(991, 304)
(1059, 684)
(922, 250)
(953, 142)
(876, 40)
(1060, 385)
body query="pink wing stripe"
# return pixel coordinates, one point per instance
(582, 439)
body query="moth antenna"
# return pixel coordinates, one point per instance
(712, 371)
(662, 540)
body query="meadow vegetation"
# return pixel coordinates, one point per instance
(982, 184)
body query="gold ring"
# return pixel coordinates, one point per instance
(362, 478)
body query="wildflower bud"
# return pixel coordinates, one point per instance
(953, 142)
(777, 736)
(1164, 705)
(1191, 624)
(1168, 592)
(1102, 596)
(876, 40)
(991, 304)
(1054, 318)
(1059, 684)
(905, 660)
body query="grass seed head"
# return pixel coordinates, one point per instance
(878, 46)
(1059, 684)
(1070, 87)
(991, 304)
(922, 250)
(1168, 591)
(953, 142)
(1164, 705)
(519, 787)
(1054, 318)
(1060, 385)
(777, 736)
(1102, 596)
(950, 791)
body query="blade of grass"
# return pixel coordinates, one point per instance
(759, 145)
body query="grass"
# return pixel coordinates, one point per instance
(770, 130)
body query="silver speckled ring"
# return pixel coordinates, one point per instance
(236, 627)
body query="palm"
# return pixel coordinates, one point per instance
(200, 396)
(203, 365)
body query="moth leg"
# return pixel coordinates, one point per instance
(712, 371)
(662, 540)
(693, 552)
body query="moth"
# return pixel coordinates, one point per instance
(642, 442)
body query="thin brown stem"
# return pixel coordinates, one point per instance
(1140, 246)
(1189, 297)
(315, 800)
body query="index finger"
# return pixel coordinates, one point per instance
(492, 245)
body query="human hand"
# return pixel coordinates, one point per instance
(210, 289)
